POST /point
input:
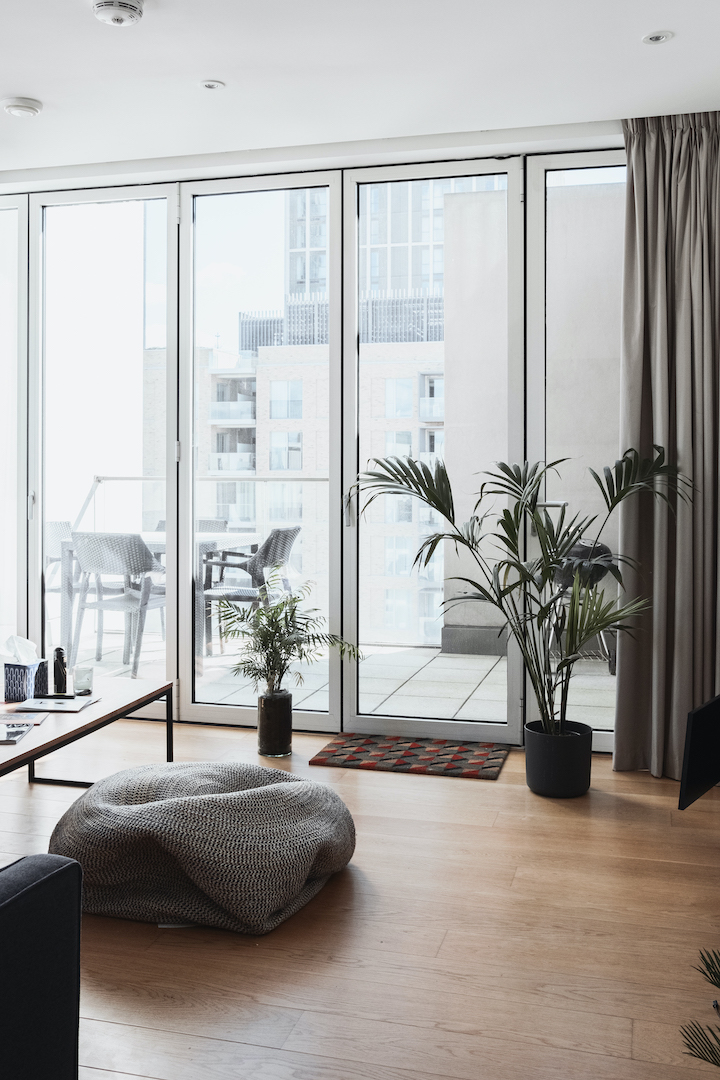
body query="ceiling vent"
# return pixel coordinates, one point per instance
(118, 12)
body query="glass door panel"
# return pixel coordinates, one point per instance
(104, 441)
(261, 422)
(9, 411)
(583, 239)
(433, 383)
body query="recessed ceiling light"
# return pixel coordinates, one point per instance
(657, 37)
(213, 84)
(22, 106)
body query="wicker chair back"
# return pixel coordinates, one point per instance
(114, 553)
(274, 551)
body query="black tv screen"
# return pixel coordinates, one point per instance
(701, 763)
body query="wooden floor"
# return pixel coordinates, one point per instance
(480, 933)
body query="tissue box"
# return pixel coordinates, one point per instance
(23, 681)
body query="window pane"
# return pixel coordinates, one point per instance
(260, 266)
(8, 416)
(585, 221)
(105, 439)
(434, 356)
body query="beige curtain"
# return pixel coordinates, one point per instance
(669, 396)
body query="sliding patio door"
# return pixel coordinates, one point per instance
(260, 407)
(13, 405)
(433, 371)
(211, 365)
(103, 389)
(576, 214)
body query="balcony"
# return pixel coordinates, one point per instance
(232, 463)
(430, 459)
(432, 408)
(230, 412)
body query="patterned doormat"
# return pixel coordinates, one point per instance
(392, 753)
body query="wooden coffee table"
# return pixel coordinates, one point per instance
(118, 698)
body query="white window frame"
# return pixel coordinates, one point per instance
(537, 168)
(201, 712)
(36, 349)
(511, 731)
(25, 507)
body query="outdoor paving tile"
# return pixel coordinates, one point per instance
(317, 700)
(594, 682)
(490, 692)
(482, 709)
(369, 702)
(495, 678)
(418, 687)
(596, 716)
(452, 677)
(462, 660)
(403, 658)
(368, 684)
(439, 708)
(582, 695)
(245, 696)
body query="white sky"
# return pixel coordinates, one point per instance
(239, 262)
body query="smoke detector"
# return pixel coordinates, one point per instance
(118, 12)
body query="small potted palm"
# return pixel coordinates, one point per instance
(275, 633)
(548, 597)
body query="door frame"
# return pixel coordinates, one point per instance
(537, 168)
(24, 509)
(237, 715)
(36, 397)
(511, 730)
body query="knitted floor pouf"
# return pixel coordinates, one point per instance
(220, 844)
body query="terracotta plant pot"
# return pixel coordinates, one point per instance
(558, 766)
(275, 724)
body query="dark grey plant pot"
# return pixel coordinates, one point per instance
(558, 766)
(275, 724)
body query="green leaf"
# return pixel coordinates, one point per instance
(702, 1042)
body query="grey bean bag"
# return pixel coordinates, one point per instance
(221, 844)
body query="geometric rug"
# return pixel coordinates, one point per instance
(392, 753)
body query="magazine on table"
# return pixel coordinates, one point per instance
(12, 733)
(29, 717)
(67, 705)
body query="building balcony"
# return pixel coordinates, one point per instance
(224, 412)
(232, 463)
(430, 459)
(432, 408)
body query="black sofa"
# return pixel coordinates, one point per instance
(40, 904)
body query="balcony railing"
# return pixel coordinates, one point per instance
(432, 408)
(231, 463)
(429, 459)
(230, 411)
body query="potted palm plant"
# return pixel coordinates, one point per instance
(277, 632)
(549, 600)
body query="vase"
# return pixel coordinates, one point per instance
(275, 724)
(558, 766)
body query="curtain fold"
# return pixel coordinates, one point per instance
(669, 396)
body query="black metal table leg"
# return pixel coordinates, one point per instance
(169, 723)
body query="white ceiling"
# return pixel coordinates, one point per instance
(327, 72)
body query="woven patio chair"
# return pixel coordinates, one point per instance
(117, 555)
(273, 553)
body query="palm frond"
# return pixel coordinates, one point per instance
(709, 966)
(632, 474)
(702, 1042)
(404, 476)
